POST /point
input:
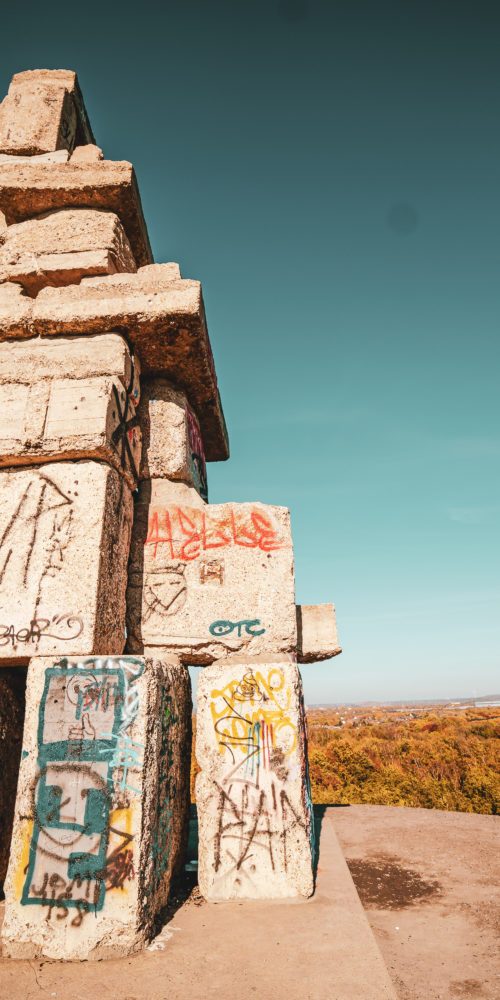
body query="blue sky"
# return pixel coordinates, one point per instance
(330, 172)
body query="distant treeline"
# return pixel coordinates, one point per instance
(441, 759)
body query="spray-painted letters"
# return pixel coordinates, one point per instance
(186, 533)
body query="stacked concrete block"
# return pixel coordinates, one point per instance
(254, 806)
(70, 398)
(62, 247)
(28, 189)
(209, 580)
(64, 544)
(317, 637)
(101, 806)
(116, 573)
(43, 113)
(70, 442)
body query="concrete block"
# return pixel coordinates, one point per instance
(256, 837)
(101, 806)
(35, 188)
(88, 414)
(64, 544)
(87, 154)
(317, 637)
(11, 731)
(209, 580)
(16, 310)
(172, 446)
(61, 248)
(39, 358)
(165, 321)
(43, 112)
(69, 419)
(60, 156)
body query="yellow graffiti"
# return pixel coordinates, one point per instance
(254, 712)
(24, 855)
(120, 854)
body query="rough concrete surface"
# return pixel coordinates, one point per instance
(16, 310)
(43, 112)
(252, 792)
(59, 156)
(317, 637)
(429, 881)
(87, 154)
(101, 807)
(316, 949)
(62, 247)
(172, 445)
(208, 580)
(30, 189)
(39, 358)
(64, 419)
(64, 543)
(164, 317)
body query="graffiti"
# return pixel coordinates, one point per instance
(85, 753)
(70, 624)
(257, 822)
(251, 715)
(119, 869)
(197, 454)
(189, 532)
(225, 627)
(41, 497)
(124, 432)
(165, 591)
(212, 571)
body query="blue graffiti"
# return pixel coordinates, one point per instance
(84, 713)
(225, 627)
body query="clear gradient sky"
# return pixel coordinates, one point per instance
(330, 171)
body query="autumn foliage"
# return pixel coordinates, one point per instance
(437, 759)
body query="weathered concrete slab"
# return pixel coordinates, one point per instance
(256, 837)
(208, 580)
(164, 317)
(317, 637)
(172, 445)
(64, 543)
(39, 358)
(101, 806)
(34, 188)
(87, 154)
(68, 419)
(16, 310)
(88, 414)
(62, 247)
(11, 729)
(43, 112)
(60, 156)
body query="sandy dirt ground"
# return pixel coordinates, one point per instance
(429, 882)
